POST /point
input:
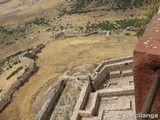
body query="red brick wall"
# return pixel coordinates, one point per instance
(146, 60)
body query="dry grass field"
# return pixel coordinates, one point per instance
(70, 23)
(16, 10)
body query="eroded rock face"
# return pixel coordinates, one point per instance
(146, 60)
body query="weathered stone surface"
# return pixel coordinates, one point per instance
(146, 60)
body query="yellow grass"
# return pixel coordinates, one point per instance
(24, 10)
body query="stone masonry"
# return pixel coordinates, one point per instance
(146, 61)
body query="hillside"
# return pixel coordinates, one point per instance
(46, 18)
(77, 35)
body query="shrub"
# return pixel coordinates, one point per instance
(125, 23)
(14, 72)
(10, 66)
(106, 25)
(15, 62)
(141, 24)
(127, 34)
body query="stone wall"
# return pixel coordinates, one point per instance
(81, 101)
(32, 53)
(97, 77)
(124, 91)
(19, 82)
(51, 102)
(80, 34)
(58, 35)
(146, 61)
(69, 34)
(111, 61)
(93, 110)
(102, 72)
(100, 77)
(29, 68)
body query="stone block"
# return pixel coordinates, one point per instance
(146, 61)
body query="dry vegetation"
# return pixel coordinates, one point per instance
(38, 22)
(32, 24)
